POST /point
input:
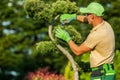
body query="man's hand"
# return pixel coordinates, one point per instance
(66, 18)
(62, 34)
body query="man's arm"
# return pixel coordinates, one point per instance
(67, 18)
(80, 18)
(62, 34)
(78, 50)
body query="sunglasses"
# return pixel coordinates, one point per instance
(88, 14)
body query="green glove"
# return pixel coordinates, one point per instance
(66, 18)
(62, 34)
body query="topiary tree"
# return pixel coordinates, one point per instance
(48, 14)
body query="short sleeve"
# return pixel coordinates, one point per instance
(92, 40)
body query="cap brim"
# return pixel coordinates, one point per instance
(84, 10)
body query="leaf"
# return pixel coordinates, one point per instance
(45, 47)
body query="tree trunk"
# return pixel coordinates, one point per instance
(66, 53)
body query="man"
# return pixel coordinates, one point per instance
(100, 41)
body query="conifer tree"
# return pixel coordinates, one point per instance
(48, 13)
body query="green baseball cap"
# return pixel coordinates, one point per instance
(94, 8)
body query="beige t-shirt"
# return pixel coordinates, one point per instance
(101, 41)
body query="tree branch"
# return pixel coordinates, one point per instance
(66, 53)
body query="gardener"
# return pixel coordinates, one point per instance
(100, 41)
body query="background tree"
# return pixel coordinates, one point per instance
(19, 33)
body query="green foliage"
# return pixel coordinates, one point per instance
(64, 6)
(49, 47)
(116, 26)
(68, 72)
(39, 10)
(10, 60)
(85, 57)
(85, 76)
(116, 64)
(45, 47)
(75, 35)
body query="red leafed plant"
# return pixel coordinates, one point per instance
(43, 74)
